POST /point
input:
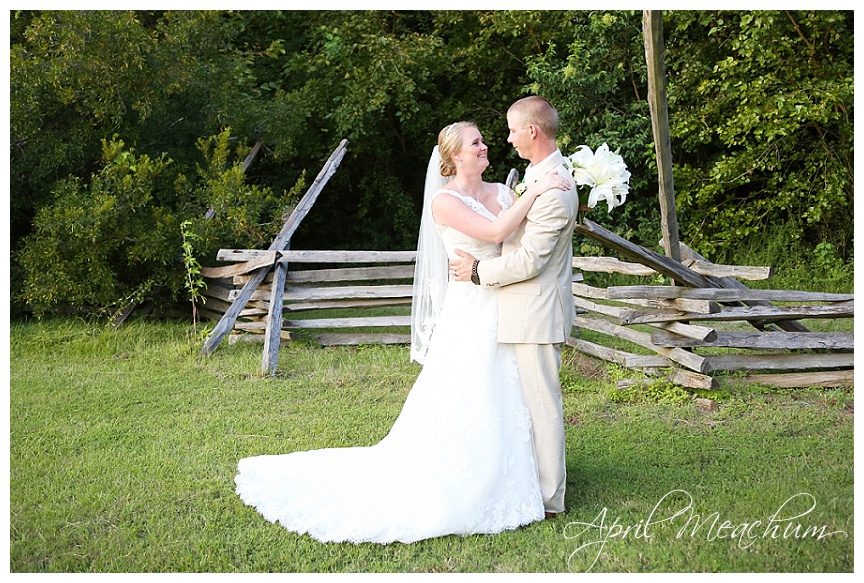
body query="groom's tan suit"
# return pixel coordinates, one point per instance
(536, 312)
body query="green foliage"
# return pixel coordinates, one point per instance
(654, 391)
(795, 265)
(761, 115)
(99, 241)
(194, 281)
(597, 83)
(231, 208)
(760, 105)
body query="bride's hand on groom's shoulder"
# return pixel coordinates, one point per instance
(552, 181)
(557, 182)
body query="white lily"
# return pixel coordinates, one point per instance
(604, 171)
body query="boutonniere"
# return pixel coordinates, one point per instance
(520, 188)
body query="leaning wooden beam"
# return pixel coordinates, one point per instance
(721, 294)
(780, 361)
(762, 340)
(689, 330)
(689, 359)
(611, 265)
(751, 314)
(740, 271)
(225, 325)
(329, 256)
(836, 378)
(664, 265)
(652, 33)
(730, 282)
(272, 336)
(625, 359)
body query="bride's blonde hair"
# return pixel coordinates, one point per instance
(450, 142)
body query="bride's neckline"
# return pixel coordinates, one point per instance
(464, 191)
(477, 201)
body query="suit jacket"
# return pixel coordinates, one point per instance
(535, 269)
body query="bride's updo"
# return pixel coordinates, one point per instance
(450, 142)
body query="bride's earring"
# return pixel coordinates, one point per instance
(460, 163)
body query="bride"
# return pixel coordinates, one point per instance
(459, 459)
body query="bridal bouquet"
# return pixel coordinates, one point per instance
(604, 172)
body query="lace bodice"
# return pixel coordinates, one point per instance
(454, 239)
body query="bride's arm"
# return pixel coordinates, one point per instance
(449, 210)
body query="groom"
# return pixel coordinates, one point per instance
(534, 274)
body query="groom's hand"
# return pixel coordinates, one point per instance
(460, 269)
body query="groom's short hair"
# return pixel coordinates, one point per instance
(537, 110)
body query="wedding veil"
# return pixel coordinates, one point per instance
(430, 268)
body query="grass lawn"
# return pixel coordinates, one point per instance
(124, 445)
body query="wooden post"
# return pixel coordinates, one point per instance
(225, 325)
(273, 333)
(652, 31)
(251, 155)
(512, 178)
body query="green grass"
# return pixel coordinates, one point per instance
(124, 445)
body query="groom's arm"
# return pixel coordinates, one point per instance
(544, 225)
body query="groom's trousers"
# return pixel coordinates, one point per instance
(539, 366)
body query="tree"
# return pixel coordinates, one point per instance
(107, 114)
(761, 120)
(597, 80)
(760, 107)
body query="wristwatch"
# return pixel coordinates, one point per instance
(475, 279)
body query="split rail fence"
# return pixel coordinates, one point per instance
(325, 294)
(319, 282)
(682, 326)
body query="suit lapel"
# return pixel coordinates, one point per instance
(535, 173)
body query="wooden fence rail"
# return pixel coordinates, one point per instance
(691, 330)
(682, 326)
(315, 284)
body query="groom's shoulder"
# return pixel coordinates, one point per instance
(563, 170)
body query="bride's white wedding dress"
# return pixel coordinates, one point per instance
(458, 460)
